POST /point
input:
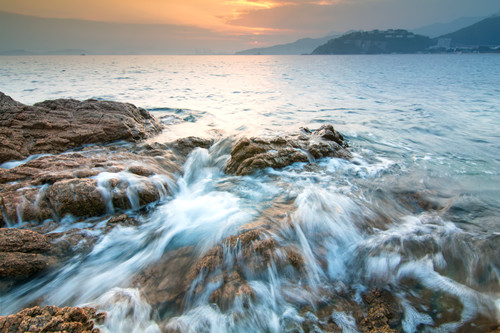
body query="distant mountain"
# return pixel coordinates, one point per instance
(482, 33)
(301, 46)
(438, 29)
(376, 42)
(16, 53)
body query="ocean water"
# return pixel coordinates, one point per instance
(420, 200)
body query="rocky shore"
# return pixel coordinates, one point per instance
(92, 166)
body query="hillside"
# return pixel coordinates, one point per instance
(301, 46)
(483, 33)
(376, 42)
(439, 29)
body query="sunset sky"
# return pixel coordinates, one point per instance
(260, 22)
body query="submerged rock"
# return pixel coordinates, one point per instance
(252, 154)
(52, 319)
(58, 125)
(384, 313)
(224, 271)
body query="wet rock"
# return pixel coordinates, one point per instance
(27, 241)
(123, 220)
(163, 287)
(249, 254)
(58, 125)
(252, 154)
(445, 308)
(184, 146)
(233, 285)
(383, 314)
(51, 187)
(226, 265)
(23, 254)
(19, 266)
(78, 197)
(52, 319)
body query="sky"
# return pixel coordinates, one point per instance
(254, 23)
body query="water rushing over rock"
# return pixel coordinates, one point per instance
(249, 155)
(187, 236)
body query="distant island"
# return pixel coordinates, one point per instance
(301, 46)
(376, 42)
(483, 36)
(483, 33)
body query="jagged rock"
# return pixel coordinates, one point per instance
(123, 220)
(383, 314)
(166, 289)
(253, 251)
(252, 154)
(163, 287)
(78, 197)
(23, 253)
(58, 125)
(51, 187)
(52, 319)
(27, 241)
(184, 146)
(17, 266)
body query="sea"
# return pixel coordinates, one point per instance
(416, 211)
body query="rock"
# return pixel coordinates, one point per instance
(27, 241)
(51, 187)
(252, 154)
(78, 197)
(163, 287)
(123, 220)
(23, 253)
(56, 126)
(383, 314)
(168, 289)
(252, 251)
(184, 146)
(52, 319)
(18, 266)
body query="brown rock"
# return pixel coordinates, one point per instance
(163, 287)
(26, 241)
(19, 266)
(78, 197)
(184, 146)
(52, 186)
(384, 313)
(52, 319)
(23, 253)
(58, 125)
(250, 155)
(255, 251)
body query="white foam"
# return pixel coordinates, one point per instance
(126, 312)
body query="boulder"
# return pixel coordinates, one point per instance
(23, 254)
(78, 197)
(52, 319)
(51, 187)
(252, 154)
(58, 125)
(184, 146)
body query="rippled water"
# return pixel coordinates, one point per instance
(417, 210)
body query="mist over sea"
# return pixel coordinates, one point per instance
(424, 133)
